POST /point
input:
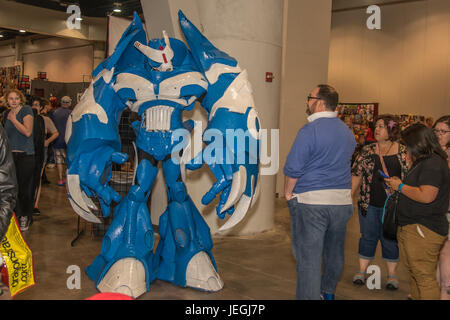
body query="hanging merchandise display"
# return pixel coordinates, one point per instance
(18, 260)
(359, 117)
(409, 119)
(158, 80)
(9, 78)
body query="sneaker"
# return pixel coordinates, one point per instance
(392, 282)
(60, 183)
(359, 278)
(36, 212)
(326, 296)
(24, 223)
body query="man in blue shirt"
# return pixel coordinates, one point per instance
(60, 117)
(318, 191)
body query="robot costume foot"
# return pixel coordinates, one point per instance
(201, 274)
(126, 276)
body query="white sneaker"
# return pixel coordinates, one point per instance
(24, 223)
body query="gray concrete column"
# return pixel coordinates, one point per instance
(251, 32)
(306, 42)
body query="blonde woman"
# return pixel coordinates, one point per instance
(19, 129)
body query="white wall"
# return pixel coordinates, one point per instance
(405, 66)
(7, 55)
(64, 60)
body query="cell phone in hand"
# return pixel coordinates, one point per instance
(383, 174)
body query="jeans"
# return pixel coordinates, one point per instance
(318, 234)
(371, 230)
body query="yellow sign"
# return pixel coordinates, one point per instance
(18, 259)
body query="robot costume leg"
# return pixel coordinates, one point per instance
(126, 264)
(184, 251)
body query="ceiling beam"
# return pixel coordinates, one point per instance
(49, 22)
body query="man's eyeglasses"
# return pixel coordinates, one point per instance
(317, 98)
(441, 131)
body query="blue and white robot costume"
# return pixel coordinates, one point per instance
(159, 80)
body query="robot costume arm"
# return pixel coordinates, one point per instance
(92, 136)
(232, 119)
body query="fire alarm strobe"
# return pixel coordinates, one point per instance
(269, 76)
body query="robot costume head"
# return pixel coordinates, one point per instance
(163, 54)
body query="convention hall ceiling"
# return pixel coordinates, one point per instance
(90, 8)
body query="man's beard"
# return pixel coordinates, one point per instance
(312, 110)
(308, 112)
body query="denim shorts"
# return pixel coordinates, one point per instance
(371, 232)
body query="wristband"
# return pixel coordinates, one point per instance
(400, 187)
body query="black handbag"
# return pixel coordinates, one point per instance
(390, 213)
(390, 216)
(390, 209)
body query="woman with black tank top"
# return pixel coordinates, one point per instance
(385, 156)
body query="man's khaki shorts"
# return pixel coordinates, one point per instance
(60, 156)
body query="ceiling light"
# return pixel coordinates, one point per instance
(117, 6)
(1, 36)
(22, 31)
(79, 19)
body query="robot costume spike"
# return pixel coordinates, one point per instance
(159, 79)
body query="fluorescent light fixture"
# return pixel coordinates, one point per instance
(21, 30)
(117, 6)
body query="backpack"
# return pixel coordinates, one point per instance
(38, 131)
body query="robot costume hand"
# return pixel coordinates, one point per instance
(94, 173)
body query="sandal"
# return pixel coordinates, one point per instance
(392, 282)
(360, 278)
